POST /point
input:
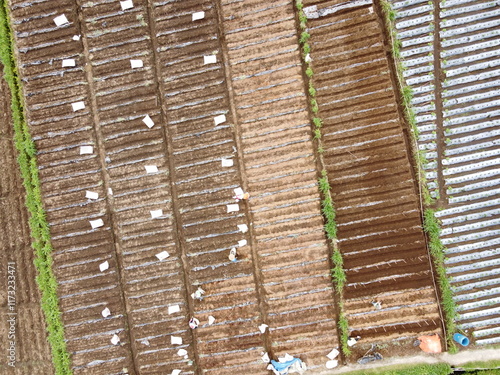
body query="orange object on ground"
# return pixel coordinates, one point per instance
(243, 196)
(430, 344)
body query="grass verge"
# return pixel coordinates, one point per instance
(480, 365)
(431, 224)
(327, 206)
(432, 228)
(481, 372)
(416, 369)
(38, 224)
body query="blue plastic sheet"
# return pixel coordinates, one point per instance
(282, 367)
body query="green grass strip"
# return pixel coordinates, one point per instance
(37, 221)
(476, 365)
(327, 206)
(432, 228)
(418, 369)
(482, 372)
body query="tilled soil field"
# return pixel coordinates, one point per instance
(31, 349)
(65, 176)
(182, 83)
(451, 52)
(379, 224)
(277, 154)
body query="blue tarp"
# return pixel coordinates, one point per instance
(283, 366)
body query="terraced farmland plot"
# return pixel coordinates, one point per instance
(276, 148)
(66, 175)
(121, 98)
(32, 351)
(458, 118)
(379, 224)
(201, 132)
(144, 211)
(147, 88)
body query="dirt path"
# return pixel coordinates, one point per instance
(32, 351)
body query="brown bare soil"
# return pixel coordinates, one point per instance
(32, 351)
(379, 223)
(281, 277)
(276, 150)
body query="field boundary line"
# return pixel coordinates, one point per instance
(327, 204)
(257, 269)
(430, 223)
(39, 227)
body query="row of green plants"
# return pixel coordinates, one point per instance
(432, 228)
(431, 224)
(37, 221)
(327, 205)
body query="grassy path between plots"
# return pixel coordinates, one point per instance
(327, 204)
(431, 224)
(38, 224)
